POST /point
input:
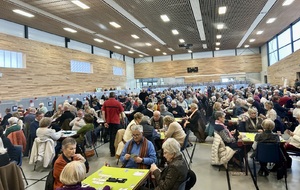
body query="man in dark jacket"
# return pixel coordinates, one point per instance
(4, 121)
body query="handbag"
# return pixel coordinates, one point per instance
(89, 153)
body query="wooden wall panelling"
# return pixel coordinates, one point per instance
(48, 72)
(286, 68)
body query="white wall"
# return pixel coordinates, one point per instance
(131, 82)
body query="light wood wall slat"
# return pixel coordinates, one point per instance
(48, 72)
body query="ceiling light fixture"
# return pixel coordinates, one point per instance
(190, 51)
(175, 32)
(222, 10)
(165, 18)
(220, 26)
(117, 47)
(157, 49)
(148, 44)
(218, 43)
(198, 18)
(141, 55)
(181, 40)
(246, 46)
(270, 20)
(70, 30)
(98, 40)
(23, 13)
(171, 49)
(217, 48)
(80, 4)
(131, 52)
(287, 2)
(164, 53)
(259, 32)
(135, 36)
(114, 24)
(204, 46)
(251, 40)
(219, 36)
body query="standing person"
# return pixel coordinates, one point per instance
(111, 111)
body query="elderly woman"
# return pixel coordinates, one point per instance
(89, 126)
(72, 175)
(268, 137)
(68, 155)
(195, 122)
(253, 123)
(176, 172)
(174, 130)
(44, 132)
(13, 126)
(271, 113)
(78, 122)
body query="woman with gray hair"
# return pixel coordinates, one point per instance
(174, 129)
(176, 172)
(13, 126)
(253, 123)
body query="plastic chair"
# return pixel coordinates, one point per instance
(183, 184)
(268, 153)
(91, 139)
(184, 147)
(19, 149)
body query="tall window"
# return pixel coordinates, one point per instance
(11, 59)
(81, 67)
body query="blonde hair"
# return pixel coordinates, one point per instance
(73, 173)
(168, 120)
(217, 106)
(45, 122)
(268, 124)
(252, 110)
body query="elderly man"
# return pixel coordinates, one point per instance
(66, 117)
(42, 108)
(182, 103)
(78, 122)
(138, 152)
(157, 121)
(164, 111)
(149, 110)
(176, 110)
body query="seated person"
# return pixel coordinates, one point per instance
(89, 126)
(68, 155)
(267, 137)
(9, 147)
(176, 110)
(164, 111)
(157, 121)
(57, 113)
(138, 152)
(176, 171)
(4, 159)
(72, 175)
(149, 110)
(174, 130)
(67, 115)
(78, 122)
(44, 132)
(253, 123)
(13, 126)
(148, 130)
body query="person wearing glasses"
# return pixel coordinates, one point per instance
(138, 152)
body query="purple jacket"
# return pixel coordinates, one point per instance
(75, 187)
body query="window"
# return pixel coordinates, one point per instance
(45, 37)
(272, 45)
(284, 38)
(11, 28)
(11, 59)
(81, 67)
(296, 45)
(296, 31)
(79, 46)
(118, 71)
(273, 57)
(285, 51)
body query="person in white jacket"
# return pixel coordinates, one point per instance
(44, 132)
(78, 122)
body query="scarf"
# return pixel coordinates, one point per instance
(143, 152)
(225, 127)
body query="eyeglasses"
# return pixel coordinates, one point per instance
(136, 135)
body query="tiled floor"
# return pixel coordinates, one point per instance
(208, 177)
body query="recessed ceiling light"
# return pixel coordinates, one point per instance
(157, 49)
(271, 20)
(175, 32)
(23, 13)
(148, 44)
(246, 46)
(251, 40)
(164, 53)
(98, 40)
(131, 52)
(218, 43)
(220, 26)
(259, 32)
(181, 40)
(70, 30)
(165, 18)
(117, 47)
(141, 55)
(80, 4)
(204, 46)
(190, 51)
(219, 36)
(171, 49)
(222, 10)
(217, 48)
(135, 36)
(287, 2)
(114, 24)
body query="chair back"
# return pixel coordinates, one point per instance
(191, 180)
(90, 138)
(119, 137)
(11, 177)
(18, 138)
(268, 152)
(49, 181)
(183, 184)
(186, 140)
(242, 126)
(18, 149)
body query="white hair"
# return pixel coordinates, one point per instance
(171, 146)
(137, 128)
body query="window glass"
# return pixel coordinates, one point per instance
(11, 59)
(296, 45)
(273, 57)
(296, 31)
(285, 51)
(11, 28)
(80, 67)
(79, 46)
(284, 38)
(272, 45)
(46, 37)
